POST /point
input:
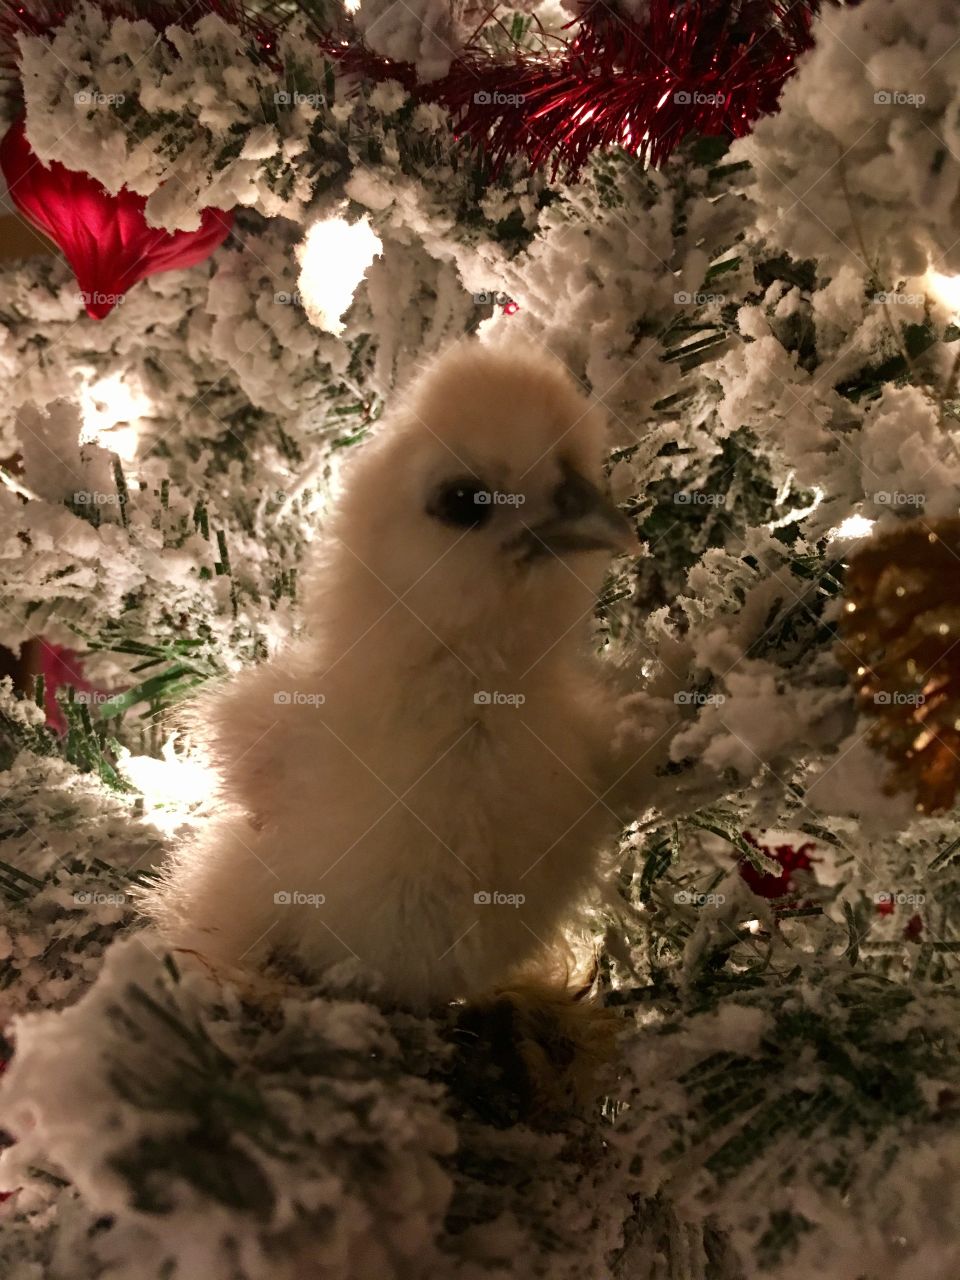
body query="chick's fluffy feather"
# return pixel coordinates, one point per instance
(399, 797)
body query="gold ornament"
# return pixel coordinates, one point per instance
(900, 635)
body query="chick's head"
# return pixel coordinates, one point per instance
(482, 502)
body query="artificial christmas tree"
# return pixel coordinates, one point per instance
(768, 317)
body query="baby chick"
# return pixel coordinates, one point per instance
(421, 782)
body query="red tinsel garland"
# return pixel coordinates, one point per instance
(691, 66)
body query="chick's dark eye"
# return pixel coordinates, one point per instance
(465, 503)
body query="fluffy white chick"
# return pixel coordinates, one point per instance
(421, 781)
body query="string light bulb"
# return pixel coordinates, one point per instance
(946, 289)
(111, 408)
(334, 256)
(171, 786)
(852, 527)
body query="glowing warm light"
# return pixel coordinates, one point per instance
(111, 410)
(852, 527)
(333, 257)
(170, 786)
(351, 6)
(945, 288)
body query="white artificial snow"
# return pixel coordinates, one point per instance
(865, 132)
(907, 457)
(424, 32)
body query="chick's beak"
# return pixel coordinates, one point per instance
(586, 520)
